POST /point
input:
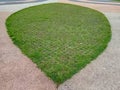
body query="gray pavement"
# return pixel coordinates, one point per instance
(103, 2)
(16, 7)
(8, 2)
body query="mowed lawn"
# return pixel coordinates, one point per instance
(60, 38)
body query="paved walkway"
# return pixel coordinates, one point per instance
(17, 72)
(3, 2)
(104, 72)
(97, 2)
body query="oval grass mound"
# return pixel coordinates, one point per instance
(60, 38)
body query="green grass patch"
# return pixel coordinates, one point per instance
(60, 38)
